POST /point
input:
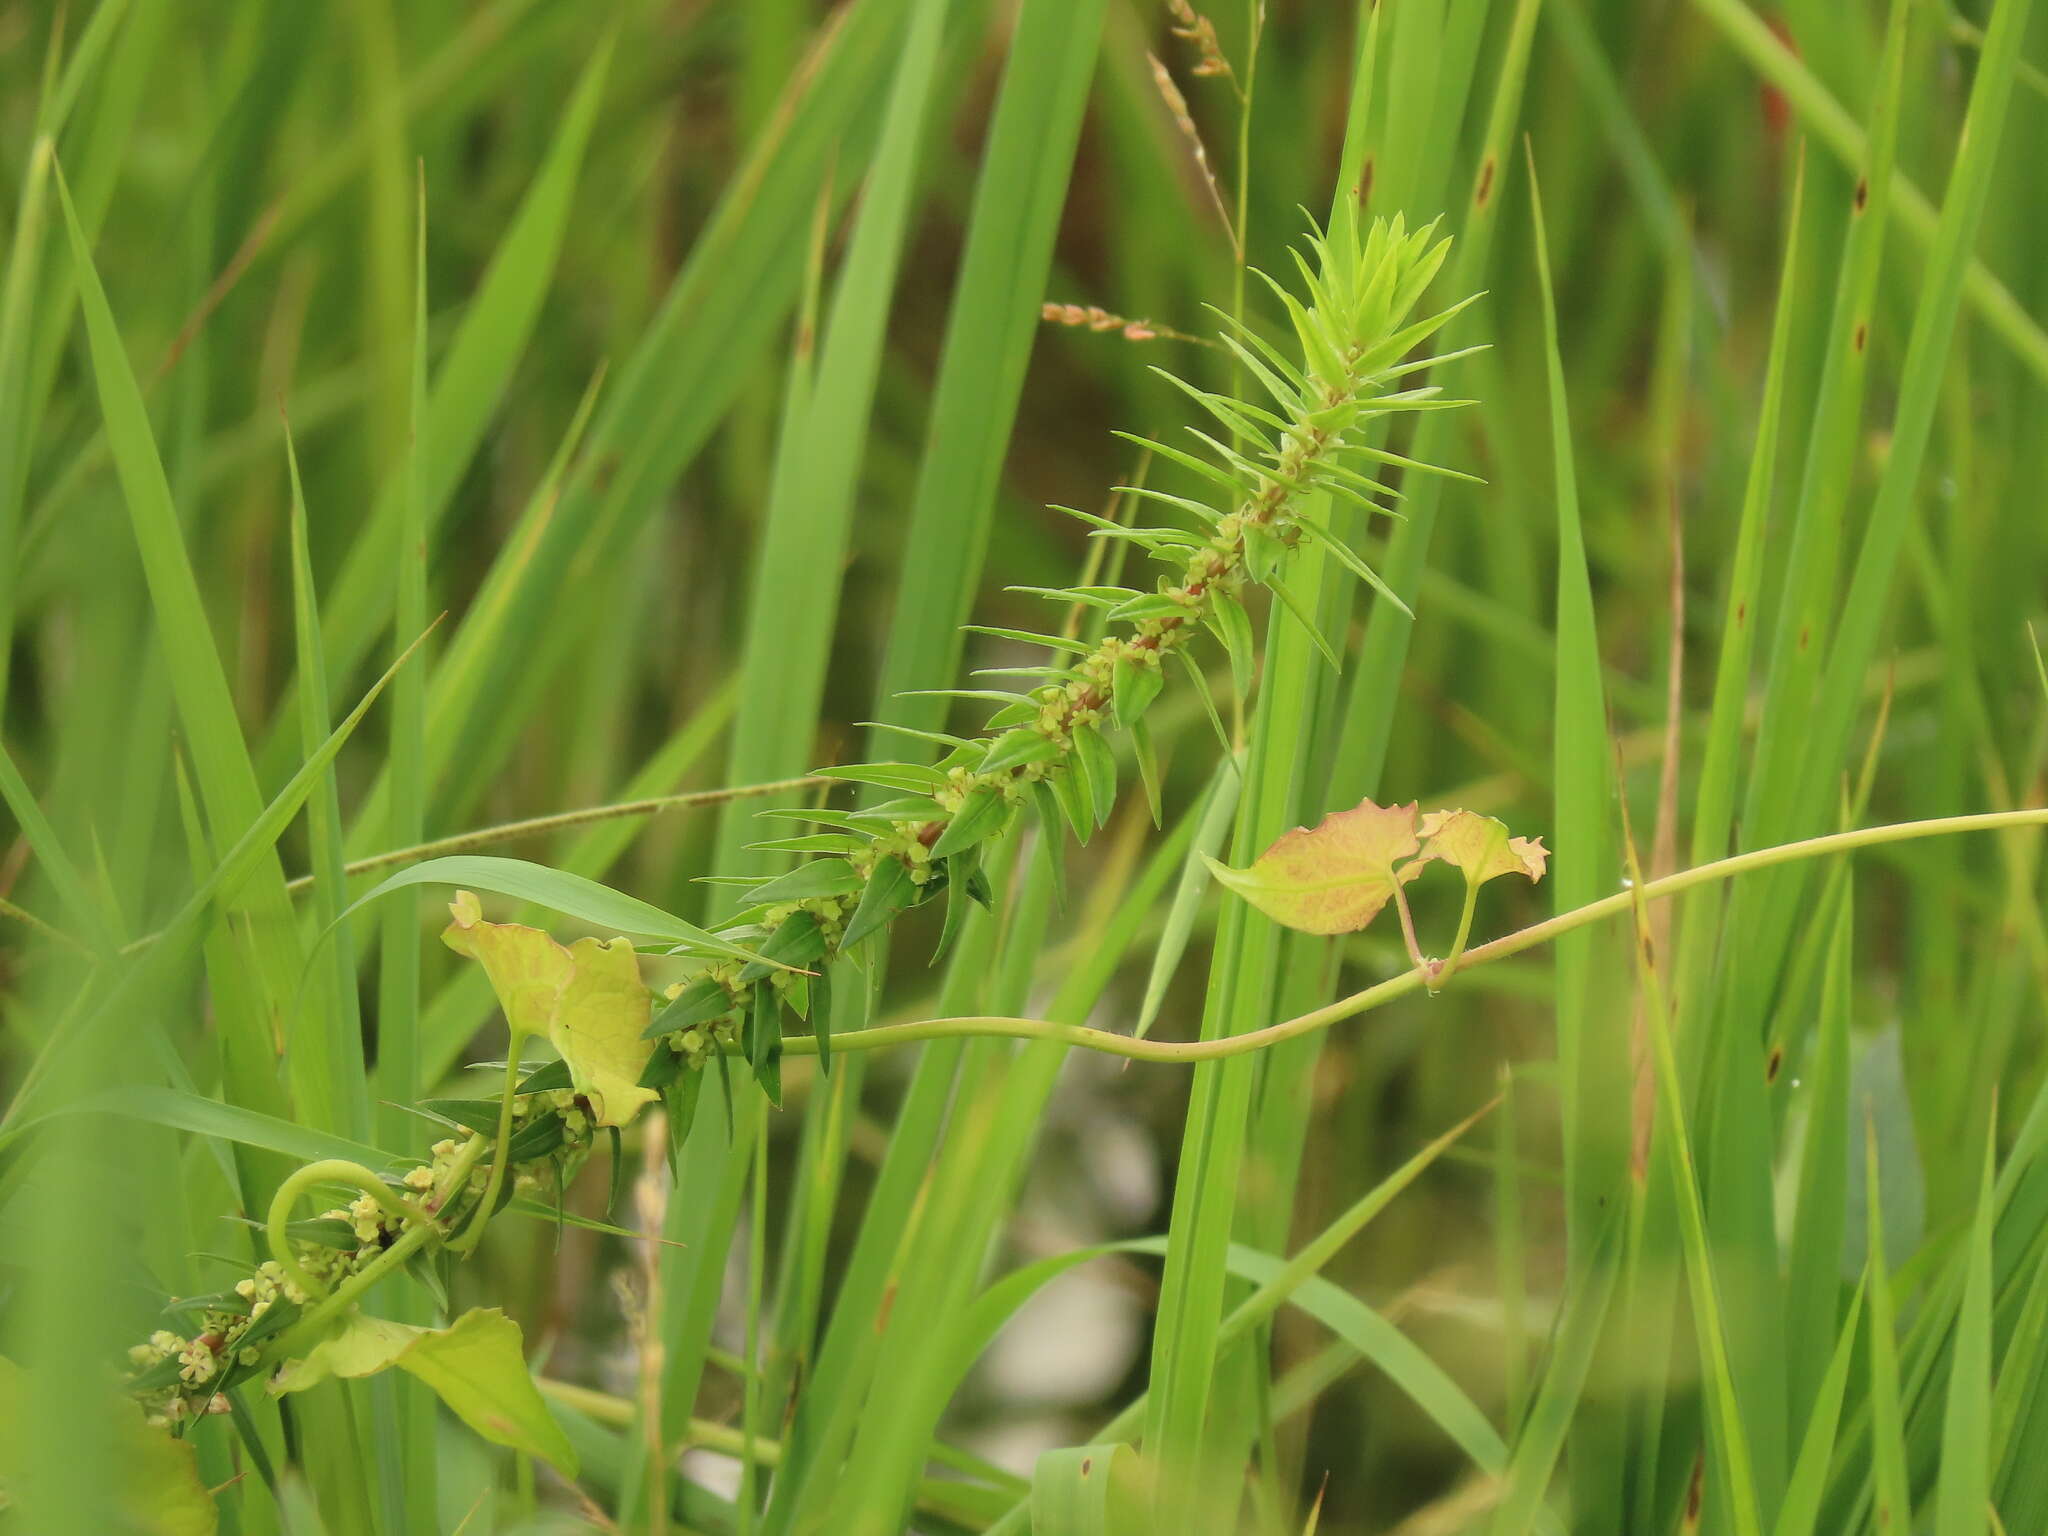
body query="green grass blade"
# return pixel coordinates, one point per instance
(220, 758)
(1993, 301)
(1894, 1507)
(1962, 1498)
(1799, 1515)
(1540, 1438)
(57, 865)
(398, 963)
(1587, 1053)
(342, 1034)
(1814, 1261)
(468, 388)
(185, 1111)
(1826, 731)
(1361, 751)
(994, 318)
(1809, 584)
(1218, 811)
(1714, 799)
(17, 294)
(158, 961)
(1090, 1490)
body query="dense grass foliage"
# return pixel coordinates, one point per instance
(647, 866)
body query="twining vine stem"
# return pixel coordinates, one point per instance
(884, 1036)
(417, 1235)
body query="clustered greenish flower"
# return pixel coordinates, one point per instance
(207, 1358)
(179, 1377)
(696, 1043)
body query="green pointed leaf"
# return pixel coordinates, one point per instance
(1134, 686)
(797, 943)
(958, 903)
(764, 1041)
(618, 1180)
(912, 808)
(1076, 798)
(540, 1136)
(479, 1115)
(661, 1069)
(699, 1002)
(817, 842)
(890, 890)
(907, 778)
(1262, 556)
(1233, 627)
(1350, 559)
(1300, 611)
(981, 816)
(548, 1077)
(1092, 752)
(1148, 605)
(679, 1103)
(1147, 756)
(809, 882)
(1052, 835)
(1029, 637)
(818, 1011)
(1019, 749)
(327, 1232)
(1207, 695)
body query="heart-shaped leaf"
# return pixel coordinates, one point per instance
(1333, 877)
(586, 997)
(477, 1367)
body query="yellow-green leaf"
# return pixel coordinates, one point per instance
(360, 1346)
(1334, 877)
(477, 1367)
(586, 997)
(1480, 846)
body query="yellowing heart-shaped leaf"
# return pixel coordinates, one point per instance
(1480, 846)
(586, 997)
(477, 1367)
(1333, 877)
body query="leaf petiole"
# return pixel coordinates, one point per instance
(466, 1240)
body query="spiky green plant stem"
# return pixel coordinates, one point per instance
(1354, 342)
